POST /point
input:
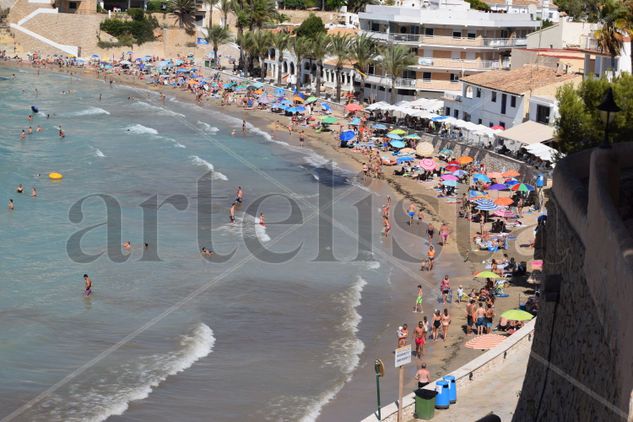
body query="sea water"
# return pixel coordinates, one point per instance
(178, 338)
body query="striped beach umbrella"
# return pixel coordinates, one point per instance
(522, 187)
(428, 164)
(449, 177)
(486, 205)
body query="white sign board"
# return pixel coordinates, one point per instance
(403, 355)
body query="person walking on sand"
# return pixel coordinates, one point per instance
(418, 301)
(445, 288)
(411, 213)
(88, 285)
(431, 257)
(446, 320)
(444, 234)
(403, 335)
(423, 376)
(430, 230)
(420, 338)
(437, 321)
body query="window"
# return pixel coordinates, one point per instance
(455, 78)
(428, 32)
(494, 97)
(502, 124)
(480, 122)
(72, 5)
(448, 111)
(457, 34)
(456, 114)
(426, 76)
(542, 114)
(513, 101)
(468, 93)
(375, 27)
(472, 35)
(478, 92)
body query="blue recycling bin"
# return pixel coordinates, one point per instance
(452, 388)
(443, 399)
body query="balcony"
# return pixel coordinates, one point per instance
(458, 64)
(442, 40)
(401, 83)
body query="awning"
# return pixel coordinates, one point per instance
(528, 133)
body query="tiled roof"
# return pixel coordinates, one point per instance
(520, 80)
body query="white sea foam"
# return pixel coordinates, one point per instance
(113, 392)
(373, 265)
(90, 111)
(141, 130)
(98, 153)
(203, 163)
(159, 110)
(260, 231)
(179, 145)
(207, 127)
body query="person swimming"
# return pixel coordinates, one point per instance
(20, 188)
(206, 252)
(11, 205)
(127, 245)
(33, 192)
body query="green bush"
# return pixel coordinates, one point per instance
(140, 29)
(136, 14)
(155, 5)
(310, 27)
(295, 4)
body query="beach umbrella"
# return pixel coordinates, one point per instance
(300, 109)
(125, 62)
(424, 149)
(522, 187)
(511, 182)
(460, 173)
(379, 126)
(279, 92)
(328, 120)
(427, 164)
(286, 102)
(504, 201)
(449, 177)
(347, 135)
(478, 177)
(439, 118)
(355, 121)
(292, 110)
(398, 132)
(511, 173)
(497, 127)
(464, 159)
(397, 143)
(446, 151)
(450, 183)
(485, 205)
(495, 175)
(504, 213)
(475, 194)
(485, 342)
(297, 99)
(263, 99)
(326, 107)
(407, 151)
(310, 100)
(177, 62)
(394, 136)
(413, 136)
(353, 107)
(451, 167)
(405, 159)
(488, 274)
(497, 186)
(517, 315)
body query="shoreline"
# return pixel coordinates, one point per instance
(449, 357)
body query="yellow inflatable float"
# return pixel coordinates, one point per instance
(55, 176)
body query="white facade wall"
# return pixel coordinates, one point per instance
(563, 35)
(485, 109)
(548, 102)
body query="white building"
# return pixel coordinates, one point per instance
(604, 64)
(450, 39)
(537, 9)
(507, 98)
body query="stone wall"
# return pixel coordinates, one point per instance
(581, 367)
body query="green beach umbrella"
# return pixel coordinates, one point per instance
(488, 274)
(328, 120)
(413, 136)
(398, 132)
(310, 100)
(517, 315)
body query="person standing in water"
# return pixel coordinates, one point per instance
(33, 192)
(88, 285)
(262, 221)
(243, 127)
(239, 195)
(232, 213)
(11, 206)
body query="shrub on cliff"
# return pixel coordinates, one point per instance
(310, 27)
(140, 29)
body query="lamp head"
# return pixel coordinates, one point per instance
(608, 107)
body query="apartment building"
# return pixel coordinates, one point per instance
(451, 41)
(537, 9)
(506, 98)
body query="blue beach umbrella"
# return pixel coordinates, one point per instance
(450, 183)
(291, 110)
(498, 186)
(326, 107)
(355, 121)
(478, 177)
(406, 159)
(397, 144)
(347, 135)
(279, 92)
(459, 173)
(394, 136)
(286, 102)
(511, 182)
(439, 118)
(475, 193)
(300, 109)
(379, 126)
(486, 205)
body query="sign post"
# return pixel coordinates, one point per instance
(402, 357)
(379, 367)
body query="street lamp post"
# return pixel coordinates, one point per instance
(608, 108)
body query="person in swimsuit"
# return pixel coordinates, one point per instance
(88, 285)
(11, 206)
(301, 138)
(431, 257)
(244, 127)
(436, 323)
(430, 230)
(490, 314)
(387, 225)
(127, 245)
(411, 213)
(445, 288)
(446, 320)
(419, 336)
(480, 314)
(23, 135)
(33, 192)
(420, 216)
(206, 252)
(232, 213)
(418, 301)
(444, 234)
(403, 335)
(423, 376)
(239, 195)
(262, 221)
(20, 188)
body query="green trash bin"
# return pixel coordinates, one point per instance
(424, 404)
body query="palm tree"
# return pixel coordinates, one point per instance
(300, 48)
(281, 41)
(260, 45)
(211, 4)
(225, 8)
(355, 6)
(218, 35)
(363, 52)
(185, 13)
(339, 48)
(319, 46)
(395, 60)
(242, 19)
(610, 37)
(262, 12)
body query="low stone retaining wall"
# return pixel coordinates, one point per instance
(464, 375)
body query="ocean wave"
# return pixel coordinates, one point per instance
(203, 163)
(112, 393)
(207, 127)
(90, 111)
(157, 109)
(141, 130)
(98, 153)
(260, 231)
(265, 135)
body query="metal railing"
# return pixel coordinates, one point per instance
(449, 40)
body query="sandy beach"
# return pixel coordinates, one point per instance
(357, 398)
